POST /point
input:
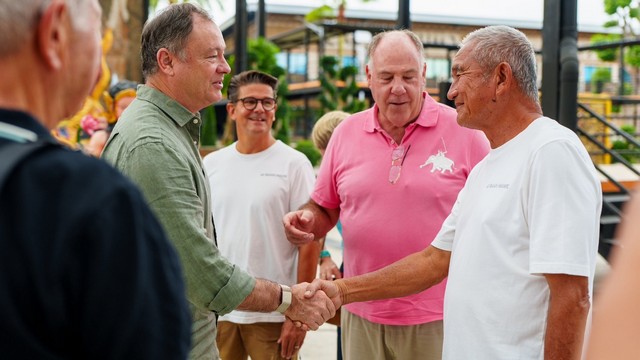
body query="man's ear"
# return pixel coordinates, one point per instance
(231, 111)
(53, 33)
(165, 61)
(504, 78)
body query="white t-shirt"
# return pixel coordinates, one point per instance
(250, 195)
(531, 207)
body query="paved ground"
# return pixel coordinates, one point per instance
(322, 344)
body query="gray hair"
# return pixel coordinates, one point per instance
(495, 44)
(18, 20)
(375, 41)
(169, 29)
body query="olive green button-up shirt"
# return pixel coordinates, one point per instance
(155, 144)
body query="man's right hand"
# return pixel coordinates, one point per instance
(329, 288)
(310, 310)
(298, 226)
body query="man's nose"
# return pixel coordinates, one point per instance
(453, 92)
(398, 87)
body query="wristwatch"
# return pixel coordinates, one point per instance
(285, 297)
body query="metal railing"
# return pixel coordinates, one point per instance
(613, 130)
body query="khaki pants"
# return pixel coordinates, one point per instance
(239, 341)
(364, 340)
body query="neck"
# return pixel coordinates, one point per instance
(26, 88)
(397, 131)
(160, 83)
(249, 145)
(515, 119)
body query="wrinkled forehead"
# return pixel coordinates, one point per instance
(464, 56)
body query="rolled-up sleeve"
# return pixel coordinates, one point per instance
(170, 182)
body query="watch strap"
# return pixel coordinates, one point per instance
(286, 299)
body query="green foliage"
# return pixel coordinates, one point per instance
(606, 54)
(612, 6)
(329, 10)
(209, 133)
(624, 15)
(626, 149)
(601, 76)
(283, 114)
(329, 95)
(321, 13)
(261, 55)
(306, 147)
(333, 98)
(349, 94)
(632, 56)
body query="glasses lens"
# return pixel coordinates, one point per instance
(394, 173)
(396, 166)
(397, 153)
(249, 103)
(268, 104)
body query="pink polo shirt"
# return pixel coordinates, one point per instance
(384, 222)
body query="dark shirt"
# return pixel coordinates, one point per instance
(86, 270)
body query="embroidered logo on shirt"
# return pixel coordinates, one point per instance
(272, 174)
(439, 162)
(498, 186)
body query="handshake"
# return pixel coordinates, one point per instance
(312, 304)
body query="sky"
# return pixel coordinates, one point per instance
(590, 12)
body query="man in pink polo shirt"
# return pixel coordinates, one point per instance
(391, 174)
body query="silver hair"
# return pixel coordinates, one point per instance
(375, 41)
(495, 44)
(18, 20)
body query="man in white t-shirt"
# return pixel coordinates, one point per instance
(254, 182)
(520, 244)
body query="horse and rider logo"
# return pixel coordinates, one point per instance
(439, 162)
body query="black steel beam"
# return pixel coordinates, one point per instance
(550, 52)
(569, 65)
(262, 19)
(240, 50)
(404, 15)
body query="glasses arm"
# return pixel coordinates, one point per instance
(405, 154)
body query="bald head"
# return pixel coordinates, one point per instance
(405, 36)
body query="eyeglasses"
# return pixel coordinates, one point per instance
(250, 103)
(397, 155)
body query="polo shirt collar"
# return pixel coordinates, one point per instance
(23, 120)
(172, 108)
(428, 116)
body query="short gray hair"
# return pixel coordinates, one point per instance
(375, 41)
(495, 44)
(169, 29)
(18, 20)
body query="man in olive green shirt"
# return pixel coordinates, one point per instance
(155, 143)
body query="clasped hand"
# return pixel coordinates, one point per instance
(313, 304)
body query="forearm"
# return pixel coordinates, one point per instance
(265, 297)
(325, 219)
(308, 261)
(413, 274)
(566, 322)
